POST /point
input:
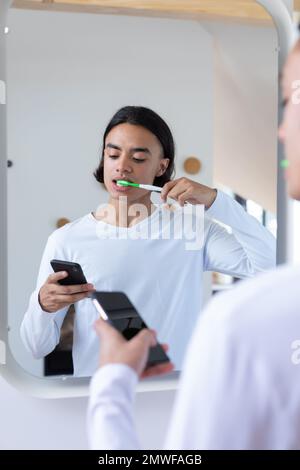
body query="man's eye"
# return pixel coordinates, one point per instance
(139, 160)
(113, 156)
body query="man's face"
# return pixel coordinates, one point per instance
(134, 154)
(289, 131)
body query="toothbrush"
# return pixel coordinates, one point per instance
(158, 189)
(142, 186)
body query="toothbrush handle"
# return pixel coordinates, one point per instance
(159, 190)
(151, 188)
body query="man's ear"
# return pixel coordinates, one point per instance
(163, 165)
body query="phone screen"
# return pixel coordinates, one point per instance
(119, 311)
(75, 273)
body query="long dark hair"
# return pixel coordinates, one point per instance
(145, 117)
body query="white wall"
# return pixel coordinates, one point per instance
(32, 423)
(245, 107)
(67, 75)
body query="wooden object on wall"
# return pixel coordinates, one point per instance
(192, 165)
(62, 221)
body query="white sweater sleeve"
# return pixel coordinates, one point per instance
(40, 330)
(248, 250)
(110, 420)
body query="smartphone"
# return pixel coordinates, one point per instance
(116, 308)
(75, 273)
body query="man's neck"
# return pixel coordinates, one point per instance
(124, 213)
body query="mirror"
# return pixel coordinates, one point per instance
(67, 74)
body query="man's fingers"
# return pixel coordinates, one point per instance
(183, 197)
(73, 289)
(54, 277)
(102, 326)
(177, 192)
(159, 369)
(105, 330)
(76, 289)
(70, 299)
(167, 188)
(146, 337)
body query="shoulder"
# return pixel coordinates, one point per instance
(274, 286)
(250, 333)
(258, 310)
(72, 229)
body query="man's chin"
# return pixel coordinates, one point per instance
(294, 190)
(295, 195)
(117, 196)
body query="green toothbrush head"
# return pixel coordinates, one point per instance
(127, 183)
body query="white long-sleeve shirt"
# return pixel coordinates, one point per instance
(240, 386)
(162, 278)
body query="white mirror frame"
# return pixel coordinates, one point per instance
(66, 386)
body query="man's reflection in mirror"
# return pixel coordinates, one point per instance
(146, 250)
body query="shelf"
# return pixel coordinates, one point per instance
(239, 10)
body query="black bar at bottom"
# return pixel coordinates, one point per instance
(131, 459)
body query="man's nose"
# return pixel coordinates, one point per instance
(123, 165)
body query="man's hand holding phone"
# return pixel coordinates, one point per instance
(115, 349)
(53, 296)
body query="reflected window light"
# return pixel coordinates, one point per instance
(266, 218)
(271, 223)
(6, 30)
(255, 210)
(224, 189)
(296, 234)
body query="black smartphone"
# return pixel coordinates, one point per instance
(116, 308)
(75, 273)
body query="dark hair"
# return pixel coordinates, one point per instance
(145, 117)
